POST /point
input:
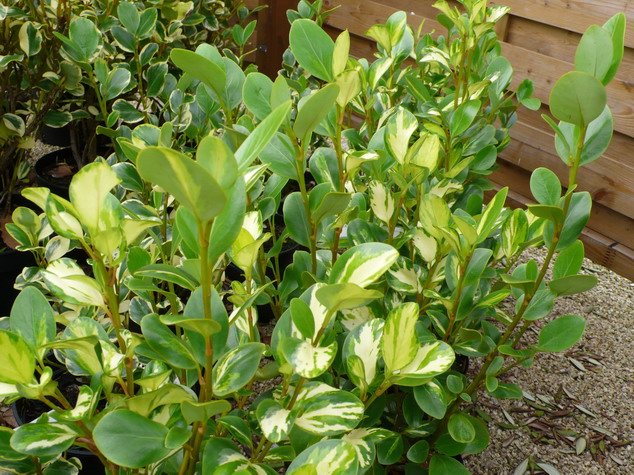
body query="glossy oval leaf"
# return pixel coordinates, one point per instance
(562, 333)
(577, 98)
(363, 264)
(186, 180)
(120, 434)
(236, 368)
(313, 48)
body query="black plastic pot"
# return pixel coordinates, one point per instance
(55, 171)
(91, 465)
(56, 136)
(12, 263)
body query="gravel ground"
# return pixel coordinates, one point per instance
(578, 415)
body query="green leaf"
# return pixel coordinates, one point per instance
(569, 261)
(296, 220)
(279, 154)
(237, 427)
(597, 139)
(302, 317)
(43, 439)
(576, 219)
(201, 68)
(216, 157)
(129, 16)
(166, 344)
(463, 117)
(616, 27)
(236, 368)
(431, 399)
(127, 112)
(540, 306)
(594, 53)
(261, 136)
(313, 48)
(577, 98)
(330, 412)
(228, 223)
(443, 465)
(17, 360)
(32, 318)
(147, 23)
(314, 109)
(545, 187)
(307, 360)
(156, 75)
(257, 94)
(89, 191)
(275, 421)
(399, 343)
(390, 450)
(120, 433)
(562, 333)
(203, 326)
(30, 39)
(551, 213)
(418, 452)
(491, 214)
(572, 284)
(203, 411)
(189, 182)
(332, 204)
(85, 38)
(460, 428)
(345, 296)
(363, 264)
(117, 80)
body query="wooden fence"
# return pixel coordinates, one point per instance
(539, 38)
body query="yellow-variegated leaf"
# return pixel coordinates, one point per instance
(363, 264)
(334, 457)
(67, 281)
(399, 130)
(365, 343)
(236, 368)
(399, 342)
(341, 53)
(307, 360)
(381, 201)
(17, 360)
(330, 413)
(275, 421)
(425, 152)
(88, 192)
(431, 360)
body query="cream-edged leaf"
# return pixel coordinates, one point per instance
(363, 264)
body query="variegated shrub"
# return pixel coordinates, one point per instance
(398, 275)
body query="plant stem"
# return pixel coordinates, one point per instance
(204, 229)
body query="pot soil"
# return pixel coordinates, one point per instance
(27, 410)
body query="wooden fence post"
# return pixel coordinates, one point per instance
(273, 29)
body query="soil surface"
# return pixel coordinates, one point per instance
(577, 416)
